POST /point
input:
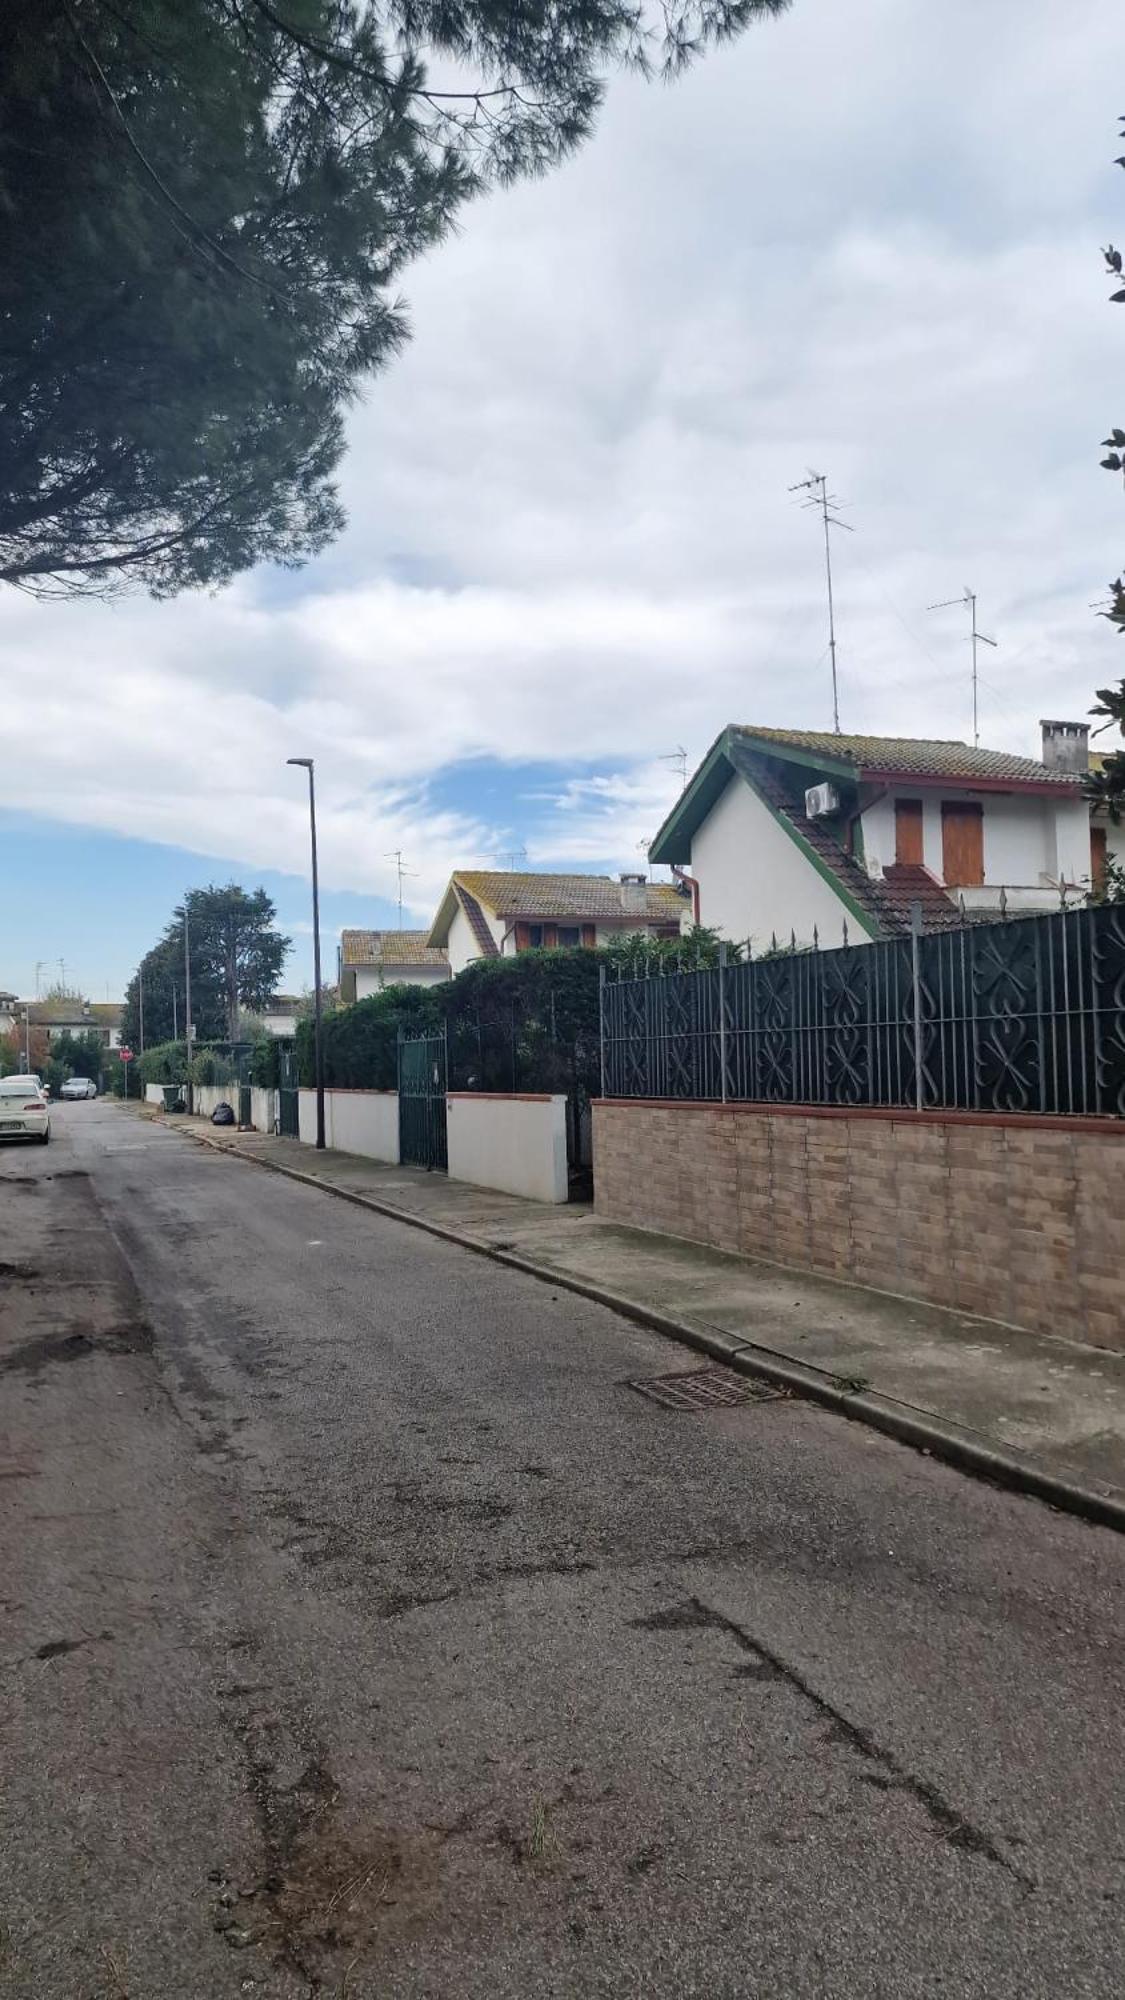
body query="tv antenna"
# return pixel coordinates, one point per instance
(678, 759)
(826, 505)
(968, 597)
(403, 872)
(512, 855)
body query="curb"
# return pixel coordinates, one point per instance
(924, 1434)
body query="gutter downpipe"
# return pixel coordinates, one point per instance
(688, 882)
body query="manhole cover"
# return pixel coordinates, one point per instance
(705, 1389)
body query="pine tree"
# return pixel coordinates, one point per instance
(205, 210)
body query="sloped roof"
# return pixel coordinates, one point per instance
(390, 948)
(514, 895)
(478, 923)
(911, 756)
(108, 1012)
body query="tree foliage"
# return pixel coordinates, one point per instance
(205, 210)
(236, 961)
(531, 1022)
(1106, 787)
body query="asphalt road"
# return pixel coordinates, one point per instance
(366, 1634)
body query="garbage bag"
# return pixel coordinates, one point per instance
(222, 1115)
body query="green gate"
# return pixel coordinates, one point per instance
(288, 1117)
(421, 1100)
(245, 1101)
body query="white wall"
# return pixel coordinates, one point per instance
(154, 1093)
(371, 979)
(462, 944)
(282, 1026)
(754, 880)
(263, 1109)
(1029, 840)
(515, 1144)
(355, 1121)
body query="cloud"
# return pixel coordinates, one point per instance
(864, 239)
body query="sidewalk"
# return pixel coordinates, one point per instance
(1020, 1407)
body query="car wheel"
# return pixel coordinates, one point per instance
(44, 1138)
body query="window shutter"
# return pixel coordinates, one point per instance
(523, 937)
(589, 936)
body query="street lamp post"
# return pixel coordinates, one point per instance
(306, 764)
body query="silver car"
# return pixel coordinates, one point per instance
(78, 1086)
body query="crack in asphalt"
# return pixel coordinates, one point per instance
(765, 1663)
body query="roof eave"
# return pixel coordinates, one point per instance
(672, 845)
(963, 781)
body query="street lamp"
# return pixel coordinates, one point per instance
(306, 764)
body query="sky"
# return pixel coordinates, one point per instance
(863, 240)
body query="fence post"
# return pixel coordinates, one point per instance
(916, 984)
(601, 1022)
(723, 1023)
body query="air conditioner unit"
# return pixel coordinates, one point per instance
(821, 799)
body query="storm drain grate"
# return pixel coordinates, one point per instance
(705, 1389)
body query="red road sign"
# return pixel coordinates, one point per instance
(125, 1055)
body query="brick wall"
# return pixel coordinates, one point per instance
(1021, 1219)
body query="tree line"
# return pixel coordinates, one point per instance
(235, 954)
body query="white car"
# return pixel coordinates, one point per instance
(24, 1113)
(78, 1086)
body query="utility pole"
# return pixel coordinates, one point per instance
(187, 1001)
(969, 597)
(39, 964)
(26, 1042)
(306, 763)
(140, 1003)
(402, 871)
(816, 487)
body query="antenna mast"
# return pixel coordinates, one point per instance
(402, 872)
(816, 487)
(969, 597)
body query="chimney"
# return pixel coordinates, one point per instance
(634, 894)
(1066, 746)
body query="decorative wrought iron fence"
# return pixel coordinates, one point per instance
(1023, 1015)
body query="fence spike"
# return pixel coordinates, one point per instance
(1003, 901)
(792, 940)
(845, 933)
(961, 907)
(773, 940)
(815, 938)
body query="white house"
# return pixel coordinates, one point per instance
(783, 831)
(280, 1015)
(370, 960)
(494, 914)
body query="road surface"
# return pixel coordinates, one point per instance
(365, 1633)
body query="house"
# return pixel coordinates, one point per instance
(370, 960)
(785, 831)
(495, 914)
(77, 1017)
(280, 1015)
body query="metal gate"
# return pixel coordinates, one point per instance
(421, 1100)
(288, 1118)
(245, 1101)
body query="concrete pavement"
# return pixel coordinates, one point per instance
(368, 1634)
(996, 1398)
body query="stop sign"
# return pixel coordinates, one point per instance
(125, 1055)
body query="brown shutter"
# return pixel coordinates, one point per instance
(962, 846)
(908, 832)
(589, 936)
(1097, 857)
(523, 937)
(550, 937)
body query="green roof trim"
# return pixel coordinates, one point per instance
(672, 845)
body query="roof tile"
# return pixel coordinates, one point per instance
(913, 756)
(511, 895)
(390, 948)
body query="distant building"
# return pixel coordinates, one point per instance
(75, 1017)
(494, 914)
(281, 1014)
(371, 960)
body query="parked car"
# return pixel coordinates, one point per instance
(24, 1113)
(78, 1086)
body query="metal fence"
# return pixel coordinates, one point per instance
(1023, 1015)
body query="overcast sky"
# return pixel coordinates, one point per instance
(865, 239)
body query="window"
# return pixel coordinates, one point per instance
(569, 936)
(534, 937)
(908, 832)
(1097, 858)
(962, 846)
